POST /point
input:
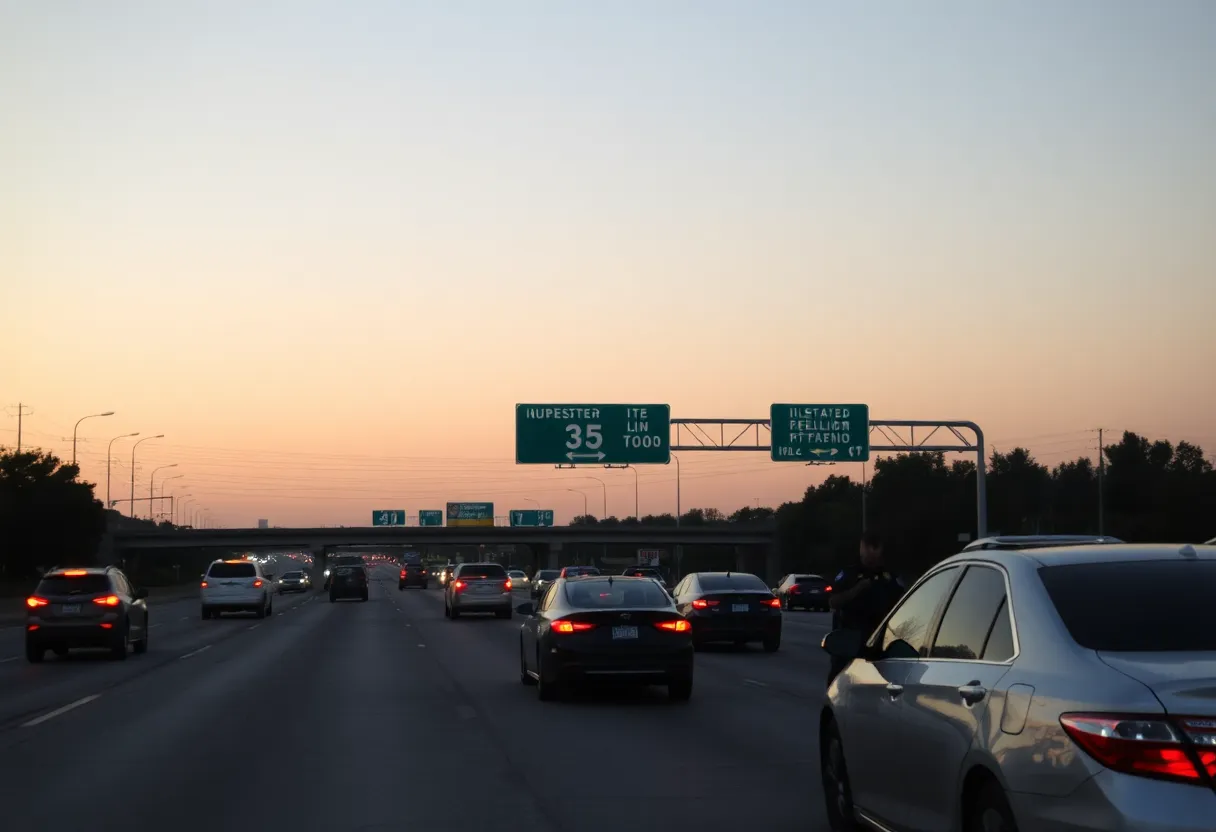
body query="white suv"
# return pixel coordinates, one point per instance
(236, 586)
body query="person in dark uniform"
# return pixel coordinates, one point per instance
(862, 595)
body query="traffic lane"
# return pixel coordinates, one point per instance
(26, 688)
(337, 704)
(736, 755)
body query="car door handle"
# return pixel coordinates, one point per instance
(973, 692)
(894, 690)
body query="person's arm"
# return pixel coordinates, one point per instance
(844, 597)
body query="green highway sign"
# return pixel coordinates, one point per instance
(819, 432)
(391, 517)
(470, 514)
(592, 434)
(532, 517)
(430, 517)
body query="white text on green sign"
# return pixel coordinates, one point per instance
(819, 432)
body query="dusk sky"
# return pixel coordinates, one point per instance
(326, 247)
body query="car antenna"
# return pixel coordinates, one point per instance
(609, 580)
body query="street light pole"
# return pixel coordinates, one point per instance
(108, 447)
(604, 486)
(636, 513)
(677, 459)
(78, 421)
(133, 447)
(162, 487)
(531, 500)
(180, 503)
(152, 486)
(582, 494)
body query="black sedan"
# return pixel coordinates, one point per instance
(412, 574)
(730, 607)
(605, 627)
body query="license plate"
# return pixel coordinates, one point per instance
(739, 608)
(624, 632)
(70, 609)
(484, 589)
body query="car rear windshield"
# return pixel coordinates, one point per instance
(232, 570)
(572, 571)
(548, 574)
(727, 583)
(1155, 605)
(641, 573)
(603, 595)
(90, 584)
(483, 570)
(811, 580)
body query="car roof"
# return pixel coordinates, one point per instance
(731, 574)
(1099, 553)
(1030, 541)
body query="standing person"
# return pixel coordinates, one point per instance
(862, 595)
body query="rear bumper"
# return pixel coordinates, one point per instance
(347, 590)
(807, 600)
(413, 580)
(726, 629)
(649, 665)
(293, 587)
(73, 634)
(1113, 802)
(494, 601)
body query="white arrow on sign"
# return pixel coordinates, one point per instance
(596, 456)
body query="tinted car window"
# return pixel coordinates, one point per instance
(726, 583)
(482, 570)
(293, 574)
(573, 571)
(970, 614)
(1000, 641)
(59, 585)
(232, 570)
(1159, 605)
(604, 595)
(548, 574)
(808, 580)
(910, 623)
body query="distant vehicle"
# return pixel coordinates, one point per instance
(236, 586)
(809, 592)
(519, 578)
(412, 574)
(730, 606)
(578, 571)
(95, 607)
(600, 628)
(445, 573)
(349, 579)
(542, 579)
(295, 581)
(1037, 541)
(478, 587)
(644, 572)
(1028, 688)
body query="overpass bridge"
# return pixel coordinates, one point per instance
(755, 545)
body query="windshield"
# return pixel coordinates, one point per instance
(605, 595)
(728, 583)
(482, 570)
(1158, 605)
(548, 574)
(89, 584)
(346, 560)
(232, 570)
(292, 575)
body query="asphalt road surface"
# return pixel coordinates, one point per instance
(386, 716)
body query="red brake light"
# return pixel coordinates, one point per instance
(34, 601)
(204, 585)
(507, 585)
(458, 584)
(257, 583)
(1147, 746)
(701, 604)
(678, 625)
(403, 573)
(772, 602)
(827, 589)
(74, 573)
(107, 601)
(561, 626)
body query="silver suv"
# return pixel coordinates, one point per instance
(478, 587)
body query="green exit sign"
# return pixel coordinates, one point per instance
(819, 432)
(592, 434)
(430, 517)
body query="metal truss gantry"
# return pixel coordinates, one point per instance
(753, 435)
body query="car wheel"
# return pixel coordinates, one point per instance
(525, 677)
(206, 613)
(771, 643)
(118, 650)
(837, 792)
(363, 597)
(141, 646)
(34, 653)
(261, 610)
(989, 811)
(679, 687)
(454, 614)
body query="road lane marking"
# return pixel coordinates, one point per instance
(196, 652)
(422, 645)
(185, 618)
(280, 613)
(58, 711)
(9, 659)
(253, 626)
(755, 682)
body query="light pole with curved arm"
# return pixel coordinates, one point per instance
(108, 447)
(582, 494)
(162, 487)
(179, 507)
(186, 514)
(133, 447)
(604, 486)
(152, 486)
(78, 421)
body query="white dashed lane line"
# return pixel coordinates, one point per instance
(58, 711)
(195, 652)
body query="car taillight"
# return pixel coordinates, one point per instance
(107, 601)
(458, 585)
(677, 626)
(204, 584)
(772, 602)
(74, 573)
(507, 584)
(701, 604)
(827, 589)
(257, 584)
(34, 601)
(1148, 746)
(402, 573)
(423, 571)
(561, 626)
(795, 588)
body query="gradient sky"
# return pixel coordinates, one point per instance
(326, 247)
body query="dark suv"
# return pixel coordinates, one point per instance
(348, 578)
(94, 607)
(412, 574)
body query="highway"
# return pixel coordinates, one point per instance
(386, 716)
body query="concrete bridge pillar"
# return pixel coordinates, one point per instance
(553, 557)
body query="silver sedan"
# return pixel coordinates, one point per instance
(1048, 690)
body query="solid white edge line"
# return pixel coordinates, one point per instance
(195, 652)
(58, 711)
(755, 682)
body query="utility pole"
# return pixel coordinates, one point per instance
(21, 408)
(1101, 477)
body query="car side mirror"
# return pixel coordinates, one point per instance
(526, 609)
(140, 594)
(900, 649)
(844, 644)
